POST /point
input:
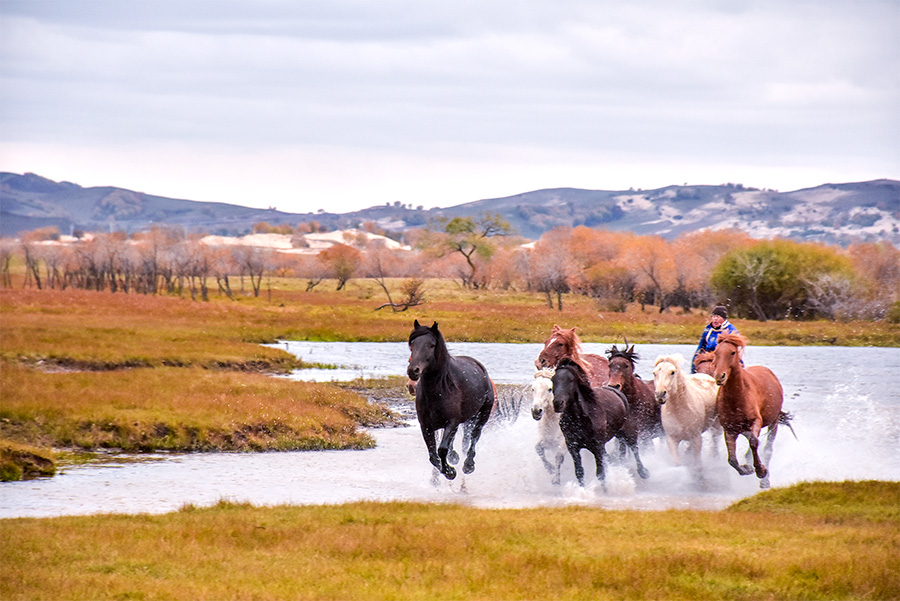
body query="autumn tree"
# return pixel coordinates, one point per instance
(695, 256)
(468, 237)
(650, 260)
(552, 266)
(342, 262)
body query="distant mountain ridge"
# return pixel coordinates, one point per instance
(832, 213)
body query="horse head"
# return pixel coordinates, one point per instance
(542, 392)
(565, 383)
(561, 344)
(621, 365)
(426, 349)
(704, 363)
(665, 373)
(729, 350)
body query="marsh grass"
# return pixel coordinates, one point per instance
(18, 461)
(141, 353)
(189, 409)
(775, 548)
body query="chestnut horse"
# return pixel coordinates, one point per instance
(450, 391)
(644, 416)
(749, 399)
(565, 344)
(704, 362)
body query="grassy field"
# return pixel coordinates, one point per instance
(89, 370)
(810, 541)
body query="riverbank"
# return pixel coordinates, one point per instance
(95, 370)
(809, 541)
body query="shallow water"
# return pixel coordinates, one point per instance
(845, 401)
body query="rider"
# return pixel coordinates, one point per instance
(718, 324)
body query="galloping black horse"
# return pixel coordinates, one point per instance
(450, 391)
(589, 417)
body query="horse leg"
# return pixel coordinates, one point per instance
(483, 414)
(560, 457)
(429, 435)
(600, 458)
(695, 449)
(444, 448)
(753, 439)
(452, 455)
(575, 452)
(632, 442)
(730, 441)
(673, 449)
(767, 453)
(641, 470)
(541, 451)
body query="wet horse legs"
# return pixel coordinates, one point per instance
(480, 419)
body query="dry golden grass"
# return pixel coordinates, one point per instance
(777, 550)
(180, 409)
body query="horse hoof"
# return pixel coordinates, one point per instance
(643, 473)
(450, 473)
(453, 457)
(744, 470)
(468, 466)
(764, 483)
(762, 472)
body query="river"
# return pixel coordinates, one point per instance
(845, 402)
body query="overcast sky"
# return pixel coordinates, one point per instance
(341, 105)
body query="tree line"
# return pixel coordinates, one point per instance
(757, 279)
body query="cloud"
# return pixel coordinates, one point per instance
(458, 91)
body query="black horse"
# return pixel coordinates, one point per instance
(589, 417)
(450, 391)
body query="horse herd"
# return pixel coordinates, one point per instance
(583, 401)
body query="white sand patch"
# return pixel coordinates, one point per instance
(634, 201)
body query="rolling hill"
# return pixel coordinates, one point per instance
(832, 213)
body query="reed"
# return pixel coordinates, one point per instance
(776, 548)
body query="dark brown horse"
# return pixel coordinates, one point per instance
(749, 399)
(450, 391)
(704, 362)
(565, 344)
(588, 417)
(644, 415)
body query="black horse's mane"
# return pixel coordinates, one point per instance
(582, 379)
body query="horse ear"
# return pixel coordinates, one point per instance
(555, 329)
(416, 324)
(434, 327)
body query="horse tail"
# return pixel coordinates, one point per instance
(784, 419)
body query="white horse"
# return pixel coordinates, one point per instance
(550, 438)
(688, 406)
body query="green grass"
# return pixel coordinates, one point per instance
(775, 548)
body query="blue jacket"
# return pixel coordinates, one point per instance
(710, 338)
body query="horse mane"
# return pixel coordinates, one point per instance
(737, 340)
(581, 377)
(626, 353)
(573, 342)
(545, 372)
(676, 359)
